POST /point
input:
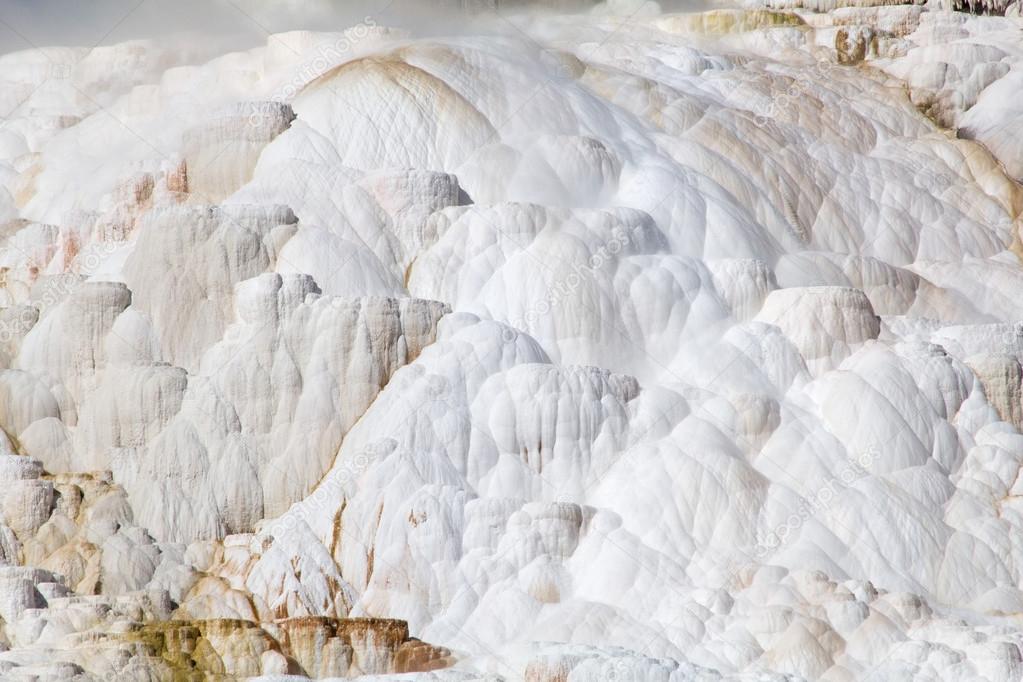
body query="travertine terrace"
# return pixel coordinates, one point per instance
(625, 344)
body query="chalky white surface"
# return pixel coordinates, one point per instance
(675, 350)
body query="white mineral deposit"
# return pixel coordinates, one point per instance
(510, 341)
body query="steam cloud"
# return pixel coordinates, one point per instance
(25, 24)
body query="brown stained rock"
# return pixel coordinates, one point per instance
(374, 642)
(855, 45)
(415, 656)
(177, 178)
(205, 650)
(331, 647)
(312, 643)
(383, 631)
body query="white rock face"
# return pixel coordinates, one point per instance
(686, 347)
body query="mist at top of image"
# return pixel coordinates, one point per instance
(28, 24)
